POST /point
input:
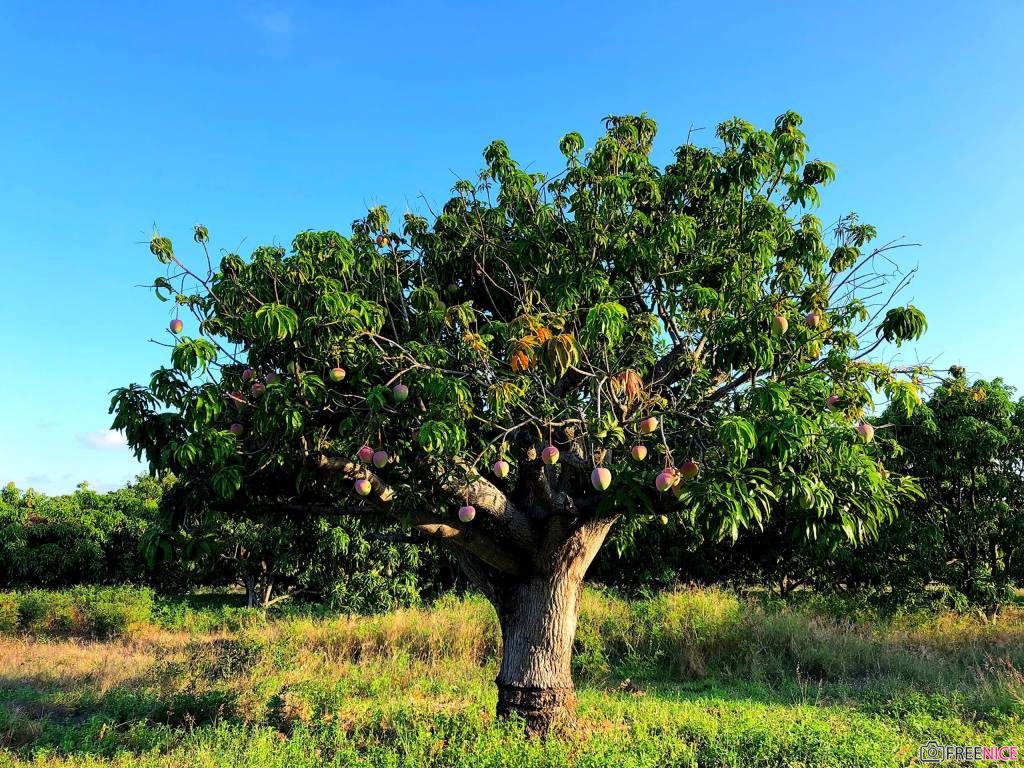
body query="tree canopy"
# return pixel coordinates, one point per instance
(966, 445)
(85, 536)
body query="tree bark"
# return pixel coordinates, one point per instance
(250, 591)
(538, 624)
(538, 615)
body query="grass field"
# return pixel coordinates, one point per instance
(693, 678)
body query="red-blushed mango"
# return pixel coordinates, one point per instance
(780, 325)
(639, 452)
(689, 469)
(648, 425)
(236, 428)
(363, 487)
(400, 392)
(500, 468)
(812, 319)
(257, 389)
(337, 373)
(866, 431)
(365, 454)
(176, 325)
(665, 479)
(549, 455)
(466, 513)
(601, 478)
(380, 458)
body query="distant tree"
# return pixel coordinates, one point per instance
(80, 538)
(332, 560)
(10, 495)
(335, 560)
(966, 444)
(502, 361)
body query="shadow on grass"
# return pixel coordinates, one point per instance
(158, 710)
(73, 716)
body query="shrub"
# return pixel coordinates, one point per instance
(42, 612)
(114, 611)
(8, 612)
(101, 612)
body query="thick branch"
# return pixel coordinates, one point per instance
(380, 495)
(480, 576)
(473, 540)
(492, 503)
(496, 506)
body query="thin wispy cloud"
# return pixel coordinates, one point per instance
(275, 26)
(104, 439)
(275, 23)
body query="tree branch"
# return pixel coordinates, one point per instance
(472, 540)
(492, 504)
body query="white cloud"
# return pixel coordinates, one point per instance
(104, 439)
(275, 23)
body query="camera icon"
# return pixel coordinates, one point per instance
(931, 752)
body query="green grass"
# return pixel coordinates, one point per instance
(693, 678)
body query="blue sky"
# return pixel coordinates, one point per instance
(262, 120)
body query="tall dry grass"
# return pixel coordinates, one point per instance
(683, 636)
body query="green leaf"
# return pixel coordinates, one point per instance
(227, 481)
(276, 321)
(191, 355)
(902, 324)
(605, 323)
(162, 284)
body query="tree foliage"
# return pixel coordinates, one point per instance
(535, 309)
(83, 537)
(966, 444)
(958, 544)
(336, 561)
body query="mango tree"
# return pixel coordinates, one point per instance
(546, 357)
(966, 446)
(339, 561)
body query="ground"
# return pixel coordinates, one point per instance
(693, 678)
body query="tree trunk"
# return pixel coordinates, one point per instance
(250, 590)
(538, 607)
(538, 624)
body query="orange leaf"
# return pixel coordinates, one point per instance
(474, 342)
(520, 361)
(629, 382)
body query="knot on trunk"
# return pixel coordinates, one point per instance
(541, 708)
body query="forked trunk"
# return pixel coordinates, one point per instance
(538, 606)
(538, 624)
